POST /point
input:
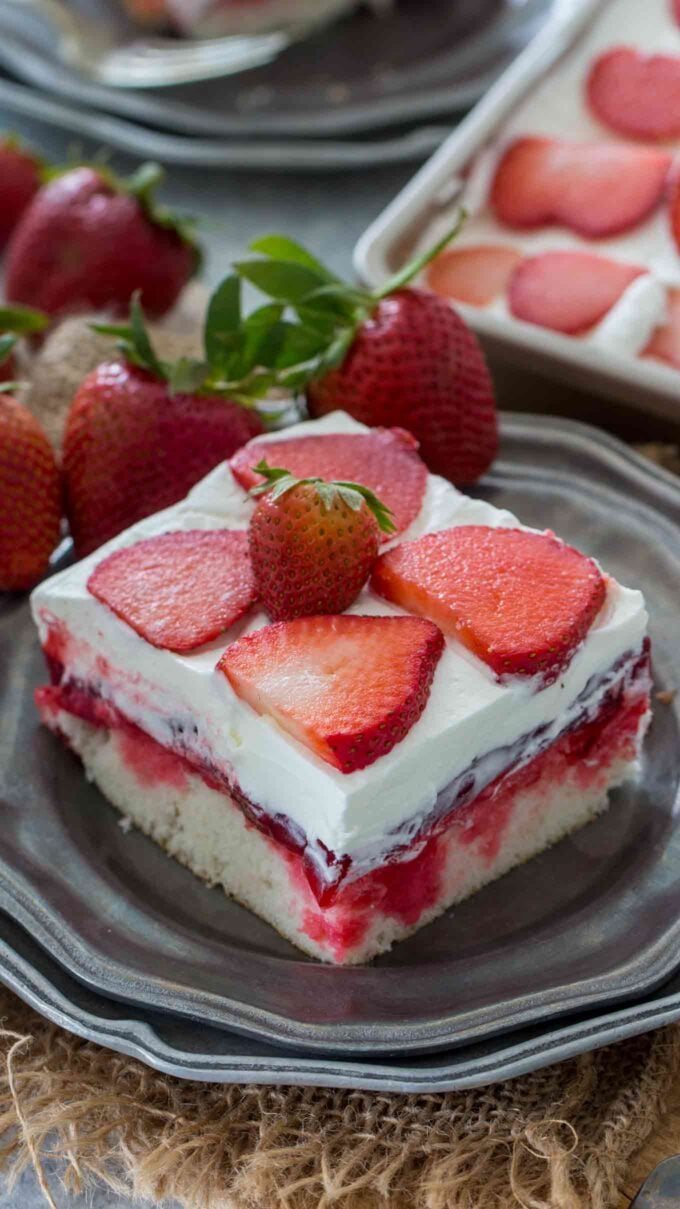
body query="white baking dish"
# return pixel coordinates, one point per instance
(648, 385)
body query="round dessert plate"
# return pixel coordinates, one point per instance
(190, 1049)
(594, 920)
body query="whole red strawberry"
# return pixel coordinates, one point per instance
(20, 179)
(88, 241)
(398, 356)
(140, 433)
(30, 495)
(312, 543)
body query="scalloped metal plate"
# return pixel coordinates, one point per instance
(595, 919)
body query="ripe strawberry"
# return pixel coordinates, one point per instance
(568, 291)
(665, 342)
(30, 494)
(181, 589)
(596, 189)
(312, 543)
(635, 94)
(140, 433)
(475, 275)
(349, 688)
(88, 241)
(20, 179)
(397, 356)
(521, 601)
(384, 460)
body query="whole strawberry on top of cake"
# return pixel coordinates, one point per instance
(335, 686)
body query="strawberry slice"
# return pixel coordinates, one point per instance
(384, 459)
(635, 94)
(520, 601)
(665, 342)
(349, 688)
(475, 275)
(568, 291)
(596, 189)
(675, 212)
(181, 589)
(675, 4)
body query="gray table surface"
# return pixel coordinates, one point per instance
(328, 213)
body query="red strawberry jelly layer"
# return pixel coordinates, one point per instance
(405, 886)
(406, 889)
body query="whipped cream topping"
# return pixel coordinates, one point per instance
(468, 715)
(557, 107)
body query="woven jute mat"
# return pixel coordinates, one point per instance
(560, 1138)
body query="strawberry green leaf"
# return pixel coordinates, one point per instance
(416, 266)
(22, 319)
(186, 375)
(281, 247)
(284, 280)
(222, 331)
(141, 340)
(8, 388)
(7, 343)
(381, 512)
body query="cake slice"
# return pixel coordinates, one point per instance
(348, 777)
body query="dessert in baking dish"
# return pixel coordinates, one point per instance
(348, 777)
(574, 205)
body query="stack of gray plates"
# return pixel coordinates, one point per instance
(366, 90)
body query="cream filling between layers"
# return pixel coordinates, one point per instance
(468, 715)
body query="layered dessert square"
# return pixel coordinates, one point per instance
(349, 777)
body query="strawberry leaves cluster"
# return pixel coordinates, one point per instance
(313, 318)
(278, 482)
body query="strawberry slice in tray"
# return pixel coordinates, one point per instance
(384, 460)
(635, 94)
(595, 189)
(665, 342)
(568, 291)
(181, 589)
(520, 601)
(349, 688)
(476, 275)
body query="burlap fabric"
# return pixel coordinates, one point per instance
(560, 1138)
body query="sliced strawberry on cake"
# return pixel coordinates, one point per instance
(179, 590)
(385, 460)
(520, 601)
(349, 688)
(568, 291)
(595, 189)
(635, 94)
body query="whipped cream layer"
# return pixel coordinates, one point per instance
(557, 107)
(362, 815)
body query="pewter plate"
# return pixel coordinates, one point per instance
(594, 920)
(358, 74)
(193, 1050)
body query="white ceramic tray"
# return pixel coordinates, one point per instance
(648, 386)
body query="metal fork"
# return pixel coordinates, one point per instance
(110, 50)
